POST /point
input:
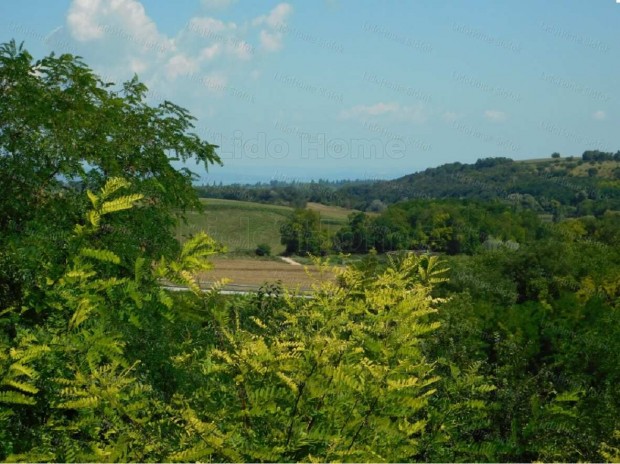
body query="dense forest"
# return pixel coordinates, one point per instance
(500, 345)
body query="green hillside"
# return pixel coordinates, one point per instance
(561, 186)
(241, 225)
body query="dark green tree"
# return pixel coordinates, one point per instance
(302, 234)
(355, 237)
(63, 130)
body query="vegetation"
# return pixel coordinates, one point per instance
(560, 187)
(446, 226)
(238, 225)
(63, 131)
(241, 225)
(503, 349)
(263, 249)
(303, 234)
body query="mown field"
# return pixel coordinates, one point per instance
(242, 225)
(246, 274)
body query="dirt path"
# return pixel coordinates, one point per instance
(290, 261)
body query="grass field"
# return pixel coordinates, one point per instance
(331, 214)
(241, 225)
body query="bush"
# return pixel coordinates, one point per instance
(263, 250)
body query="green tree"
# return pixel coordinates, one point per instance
(62, 131)
(303, 234)
(76, 382)
(340, 376)
(355, 237)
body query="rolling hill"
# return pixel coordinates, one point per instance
(241, 225)
(572, 186)
(578, 186)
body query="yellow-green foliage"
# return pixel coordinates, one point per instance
(193, 259)
(609, 452)
(100, 363)
(339, 376)
(18, 376)
(73, 369)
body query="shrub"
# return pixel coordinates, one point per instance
(263, 249)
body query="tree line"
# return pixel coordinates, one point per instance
(550, 186)
(440, 226)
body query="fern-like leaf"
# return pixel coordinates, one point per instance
(89, 402)
(94, 199)
(101, 255)
(120, 204)
(23, 387)
(113, 185)
(13, 397)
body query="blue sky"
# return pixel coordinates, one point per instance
(354, 89)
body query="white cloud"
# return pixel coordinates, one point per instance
(210, 28)
(276, 17)
(450, 116)
(180, 65)
(414, 114)
(82, 20)
(407, 113)
(119, 39)
(209, 53)
(271, 41)
(279, 15)
(113, 19)
(206, 56)
(120, 31)
(495, 115)
(137, 66)
(369, 110)
(240, 49)
(599, 115)
(226, 37)
(271, 37)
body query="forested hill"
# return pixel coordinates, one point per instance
(570, 186)
(582, 186)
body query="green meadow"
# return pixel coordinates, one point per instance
(242, 225)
